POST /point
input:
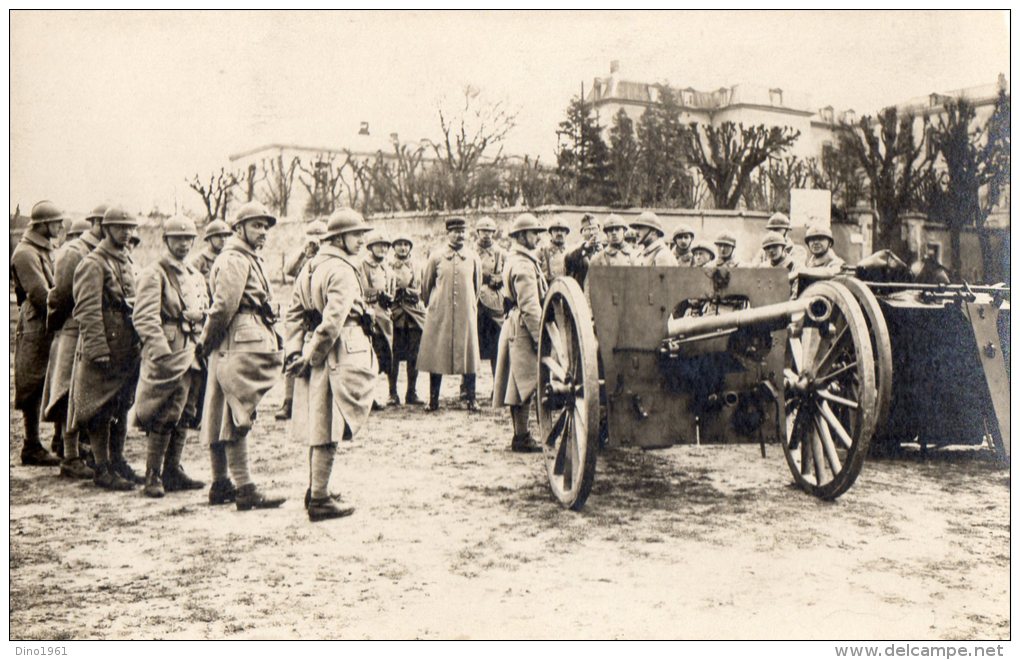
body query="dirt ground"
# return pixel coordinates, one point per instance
(455, 537)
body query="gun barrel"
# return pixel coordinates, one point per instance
(817, 308)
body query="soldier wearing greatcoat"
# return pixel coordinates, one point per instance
(683, 237)
(726, 243)
(32, 272)
(653, 250)
(170, 307)
(552, 256)
(779, 223)
(106, 362)
(216, 234)
(517, 364)
(450, 288)
(576, 261)
(704, 254)
(617, 251)
(329, 351)
(774, 246)
(408, 319)
(490, 299)
(823, 262)
(378, 283)
(244, 355)
(60, 319)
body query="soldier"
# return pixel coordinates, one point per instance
(774, 245)
(449, 343)
(330, 352)
(216, 234)
(517, 364)
(703, 253)
(617, 252)
(576, 261)
(823, 262)
(313, 231)
(631, 239)
(59, 319)
(378, 283)
(653, 250)
(106, 363)
(552, 255)
(779, 223)
(32, 272)
(245, 356)
(726, 242)
(170, 307)
(490, 308)
(77, 228)
(408, 319)
(683, 236)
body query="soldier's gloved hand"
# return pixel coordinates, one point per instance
(297, 366)
(497, 283)
(385, 301)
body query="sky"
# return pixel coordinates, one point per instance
(122, 106)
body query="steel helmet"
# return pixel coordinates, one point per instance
(116, 215)
(703, 245)
(614, 222)
(524, 222)
(403, 238)
(588, 220)
(79, 227)
(817, 231)
(315, 229)
(97, 213)
(681, 230)
(650, 220)
(179, 225)
(726, 238)
(345, 221)
(773, 238)
(44, 212)
(778, 221)
(377, 237)
(557, 223)
(251, 211)
(486, 224)
(217, 228)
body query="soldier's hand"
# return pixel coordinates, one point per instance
(298, 367)
(103, 362)
(385, 301)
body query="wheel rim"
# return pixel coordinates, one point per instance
(568, 396)
(830, 396)
(878, 332)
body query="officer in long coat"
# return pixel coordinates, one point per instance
(106, 362)
(490, 308)
(216, 234)
(726, 243)
(408, 318)
(60, 319)
(32, 272)
(313, 232)
(450, 288)
(653, 250)
(683, 237)
(244, 355)
(517, 364)
(329, 350)
(378, 283)
(552, 256)
(170, 307)
(823, 262)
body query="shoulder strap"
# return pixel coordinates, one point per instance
(175, 283)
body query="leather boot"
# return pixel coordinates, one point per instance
(174, 477)
(249, 497)
(108, 479)
(32, 452)
(326, 508)
(524, 443)
(75, 468)
(118, 434)
(394, 399)
(154, 451)
(411, 397)
(222, 491)
(153, 484)
(57, 443)
(285, 409)
(435, 384)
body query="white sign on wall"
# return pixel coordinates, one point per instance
(810, 207)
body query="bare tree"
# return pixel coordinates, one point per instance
(279, 183)
(770, 186)
(216, 193)
(322, 178)
(727, 155)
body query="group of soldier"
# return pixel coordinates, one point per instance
(193, 340)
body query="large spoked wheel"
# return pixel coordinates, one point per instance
(878, 332)
(830, 395)
(568, 393)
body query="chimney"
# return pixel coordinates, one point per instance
(394, 137)
(364, 128)
(614, 67)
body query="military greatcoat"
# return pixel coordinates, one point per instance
(323, 325)
(552, 259)
(203, 260)
(685, 259)
(32, 270)
(450, 287)
(408, 311)
(490, 298)
(170, 306)
(244, 348)
(377, 280)
(517, 364)
(60, 319)
(104, 295)
(656, 254)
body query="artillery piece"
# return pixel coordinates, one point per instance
(692, 355)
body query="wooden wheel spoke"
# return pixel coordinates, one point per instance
(831, 455)
(556, 341)
(790, 376)
(816, 457)
(557, 428)
(829, 396)
(797, 354)
(561, 446)
(835, 424)
(832, 351)
(556, 371)
(805, 457)
(836, 372)
(569, 439)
